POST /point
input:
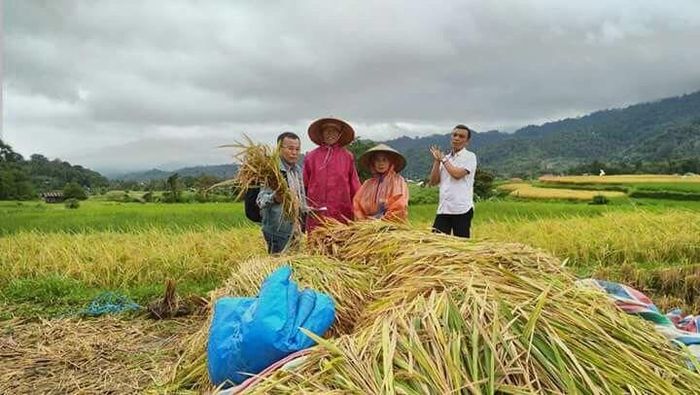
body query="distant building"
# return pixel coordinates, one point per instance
(53, 197)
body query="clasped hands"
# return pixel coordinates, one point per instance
(438, 156)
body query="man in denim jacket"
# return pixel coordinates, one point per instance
(277, 229)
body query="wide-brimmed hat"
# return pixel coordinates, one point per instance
(396, 158)
(347, 133)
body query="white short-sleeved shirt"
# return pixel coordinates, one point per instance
(457, 196)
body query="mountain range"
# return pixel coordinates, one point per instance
(658, 131)
(218, 171)
(663, 130)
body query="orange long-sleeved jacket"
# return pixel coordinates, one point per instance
(388, 189)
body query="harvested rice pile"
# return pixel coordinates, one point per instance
(442, 315)
(104, 355)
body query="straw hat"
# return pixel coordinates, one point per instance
(347, 133)
(396, 158)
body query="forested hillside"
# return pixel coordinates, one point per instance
(218, 171)
(24, 179)
(658, 136)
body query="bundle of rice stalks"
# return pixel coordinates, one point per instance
(424, 269)
(350, 285)
(260, 166)
(476, 341)
(389, 246)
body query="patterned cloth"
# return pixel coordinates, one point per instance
(689, 323)
(288, 363)
(674, 326)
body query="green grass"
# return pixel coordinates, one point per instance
(128, 217)
(124, 217)
(673, 187)
(660, 205)
(57, 295)
(499, 210)
(95, 215)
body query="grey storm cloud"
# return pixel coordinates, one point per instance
(169, 80)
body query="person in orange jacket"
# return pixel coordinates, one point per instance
(385, 195)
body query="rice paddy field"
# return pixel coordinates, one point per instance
(668, 180)
(668, 187)
(54, 261)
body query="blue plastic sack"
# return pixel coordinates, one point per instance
(249, 334)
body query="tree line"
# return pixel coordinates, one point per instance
(22, 179)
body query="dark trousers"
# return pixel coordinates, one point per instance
(455, 224)
(275, 243)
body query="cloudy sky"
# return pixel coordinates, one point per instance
(125, 85)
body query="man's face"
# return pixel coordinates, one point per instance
(290, 149)
(331, 134)
(381, 162)
(459, 139)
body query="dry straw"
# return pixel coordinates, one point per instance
(97, 356)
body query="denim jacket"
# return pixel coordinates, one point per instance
(273, 221)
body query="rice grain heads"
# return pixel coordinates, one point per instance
(260, 166)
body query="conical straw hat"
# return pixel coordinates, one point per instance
(347, 133)
(397, 159)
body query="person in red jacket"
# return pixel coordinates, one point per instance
(329, 172)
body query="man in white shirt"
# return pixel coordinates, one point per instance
(455, 174)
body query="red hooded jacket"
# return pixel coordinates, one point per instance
(331, 181)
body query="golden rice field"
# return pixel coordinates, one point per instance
(622, 179)
(611, 239)
(525, 190)
(116, 259)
